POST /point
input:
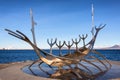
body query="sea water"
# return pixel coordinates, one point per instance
(8, 56)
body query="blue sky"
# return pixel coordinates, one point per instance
(62, 19)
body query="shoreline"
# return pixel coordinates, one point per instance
(12, 71)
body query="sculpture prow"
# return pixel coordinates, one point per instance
(50, 58)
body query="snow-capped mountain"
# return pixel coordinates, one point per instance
(114, 47)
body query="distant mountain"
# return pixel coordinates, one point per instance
(63, 48)
(111, 47)
(115, 47)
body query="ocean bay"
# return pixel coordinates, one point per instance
(8, 56)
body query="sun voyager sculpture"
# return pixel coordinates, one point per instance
(78, 64)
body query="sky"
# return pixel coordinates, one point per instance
(61, 19)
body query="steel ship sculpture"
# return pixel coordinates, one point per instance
(78, 61)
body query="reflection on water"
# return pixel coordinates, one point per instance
(112, 73)
(43, 70)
